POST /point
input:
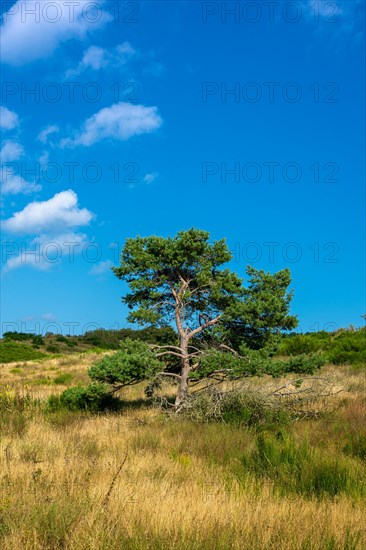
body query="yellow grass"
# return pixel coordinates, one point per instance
(174, 490)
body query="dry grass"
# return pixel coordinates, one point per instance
(182, 484)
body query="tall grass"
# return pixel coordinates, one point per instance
(184, 484)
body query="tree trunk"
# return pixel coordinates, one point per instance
(182, 393)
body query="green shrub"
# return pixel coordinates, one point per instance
(13, 351)
(38, 340)
(53, 348)
(132, 363)
(95, 397)
(341, 347)
(61, 338)
(255, 363)
(63, 378)
(349, 347)
(18, 336)
(111, 339)
(71, 343)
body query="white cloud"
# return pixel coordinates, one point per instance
(149, 178)
(44, 158)
(45, 251)
(48, 317)
(121, 121)
(13, 184)
(101, 268)
(8, 119)
(11, 151)
(58, 213)
(44, 134)
(26, 36)
(97, 58)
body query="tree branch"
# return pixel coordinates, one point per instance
(204, 326)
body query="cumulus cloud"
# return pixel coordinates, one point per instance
(11, 151)
(8, 119)
(149, 178)
(97, 58)
(32, 30)
(48, 131)
(58, 213)
(14, 184)
(101, 268)
(45, 251)
(121, 121)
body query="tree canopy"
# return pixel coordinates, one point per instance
(182, 280)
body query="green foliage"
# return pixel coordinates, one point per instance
(111, 339)
(95, 397)
(264, 312)
(53, 348)
(71, 343)
(154, 267)
(254, 363)
(302, 364)
(18, 336)
(11, 350)
(63, 378)
(132, 363)
(341, 347)
(38, 340)
(349, 347)
(61, 338)
(300, 468)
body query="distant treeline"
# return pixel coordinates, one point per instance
(345, 346)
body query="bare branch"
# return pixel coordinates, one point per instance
(229, 349)
(204, 326)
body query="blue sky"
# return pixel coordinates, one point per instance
(151, 117)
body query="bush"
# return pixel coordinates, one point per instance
(255, 363)
(64, 378)
(111, 339)
(18, 336)
(341, 347)
(349, 347)
(61, 338)
(71, 343)
(13, 351)
(134, 362)
(52, 348)
(38, 340)
(94, 398)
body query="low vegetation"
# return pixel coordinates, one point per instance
(244, 469)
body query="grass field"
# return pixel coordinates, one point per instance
(139, 479)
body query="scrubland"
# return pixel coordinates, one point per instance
(140, 478)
